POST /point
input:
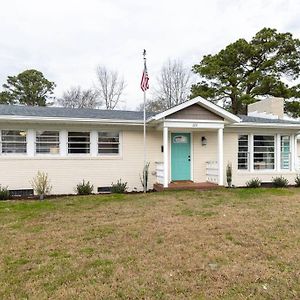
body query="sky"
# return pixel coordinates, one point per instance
(67, 39)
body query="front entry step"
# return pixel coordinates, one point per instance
(185, 185)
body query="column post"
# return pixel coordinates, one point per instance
(63, 145)
(166, 156)
(251, 155)
(30, 142)
(94, 143)
(292, 150)
(296, 153)
(278, 152)
(220, 157)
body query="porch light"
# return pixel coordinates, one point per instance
(203, 141)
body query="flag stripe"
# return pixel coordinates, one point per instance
(145, 80)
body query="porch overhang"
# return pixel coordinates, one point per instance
(229, 117)
(170, 126)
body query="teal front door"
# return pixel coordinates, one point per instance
(181, 156)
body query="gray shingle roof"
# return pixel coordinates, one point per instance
(38, 111)
(250, 119)
(62, 112)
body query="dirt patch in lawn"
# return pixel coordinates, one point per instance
(231, 244)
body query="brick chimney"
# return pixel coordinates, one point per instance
(271, 108)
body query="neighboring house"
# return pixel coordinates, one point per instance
(192, 141)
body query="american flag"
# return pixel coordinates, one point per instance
(145, 79)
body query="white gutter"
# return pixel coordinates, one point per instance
(264, 125)
(69, 120)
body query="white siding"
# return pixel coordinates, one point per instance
(240, 177)
(66, 171)
(202, 154)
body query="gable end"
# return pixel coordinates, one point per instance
(195, 112)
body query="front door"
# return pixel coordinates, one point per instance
(181, 156)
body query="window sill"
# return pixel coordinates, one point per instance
(9, 155)
(265, 172)
(57, 157)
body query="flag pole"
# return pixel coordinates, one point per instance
(145, 151)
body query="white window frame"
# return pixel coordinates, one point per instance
(289, 153)
(12, 154)
(248, 153)
(109, 154)
(79, 154)
(47, 154)
(275, 150)
(64, 145)
(277, 154)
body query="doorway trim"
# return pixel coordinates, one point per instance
(191, 153)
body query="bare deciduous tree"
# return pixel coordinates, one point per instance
(76, 97)
(173, 87)
(110, 86)
(173, 84)
(154, 106)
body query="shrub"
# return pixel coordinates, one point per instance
(253, 183)
(84, 188)
(280, 182)
(4, 193)
(144, 178)
(41, 184)
(119, 187)
(229, 174)
(297, 181)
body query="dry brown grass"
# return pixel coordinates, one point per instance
(229, 244)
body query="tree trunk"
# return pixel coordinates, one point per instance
(234, 104)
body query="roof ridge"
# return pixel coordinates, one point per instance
(70, 108)
(66, 112)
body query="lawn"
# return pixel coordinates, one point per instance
(228, 244)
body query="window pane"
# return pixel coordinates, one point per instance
(243, 152)
(285, 152)
(263, 152)
(13, 141)
(108, 142)
(78, 142)
(47, 142)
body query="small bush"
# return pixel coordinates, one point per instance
(84, 188)
(41, 184)
(229, 174)
(144, 178)
(4, 193)
(119, 187)
(297, 181)
(279, 182)
(253, 183)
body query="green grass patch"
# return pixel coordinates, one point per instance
(88, 251)
(106, 266)
(98, 232)
(193, 212)
(59, 254)
(170, 245)
(11, 262)
(248, 193)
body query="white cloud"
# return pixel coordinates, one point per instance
(67, 39)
